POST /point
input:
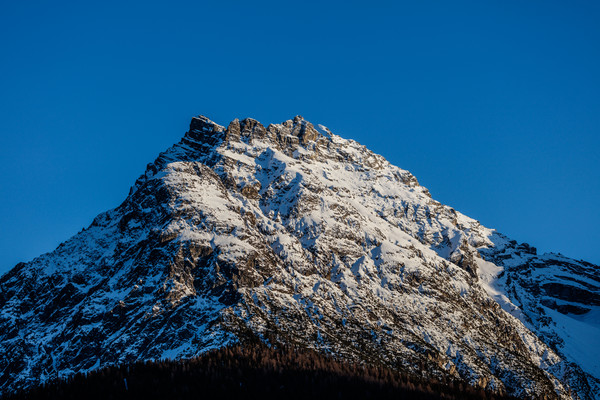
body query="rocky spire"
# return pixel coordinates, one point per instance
(203, 129)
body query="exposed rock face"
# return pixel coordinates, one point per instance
(292, 234)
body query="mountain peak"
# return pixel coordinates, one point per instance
(292, 235)
(289, 134)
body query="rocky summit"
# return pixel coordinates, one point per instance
(292, 235)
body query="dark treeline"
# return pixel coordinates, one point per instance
(251, 371)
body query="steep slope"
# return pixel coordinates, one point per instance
(294, 235)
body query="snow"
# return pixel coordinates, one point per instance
(323, 130)
(581, 340)
(488, 273)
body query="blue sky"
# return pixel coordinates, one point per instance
(494, 105)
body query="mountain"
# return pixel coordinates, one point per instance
(291, 235)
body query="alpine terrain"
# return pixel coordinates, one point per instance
(291, 235)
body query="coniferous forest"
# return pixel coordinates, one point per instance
(251, 371)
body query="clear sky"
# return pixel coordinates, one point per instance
(493, 105)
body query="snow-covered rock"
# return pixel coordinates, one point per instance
(290, 233)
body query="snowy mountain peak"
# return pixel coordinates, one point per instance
(292, 234)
